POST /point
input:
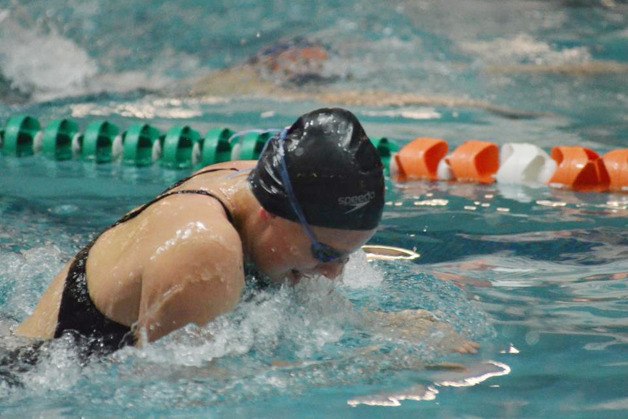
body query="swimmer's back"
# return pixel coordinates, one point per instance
(121, 256)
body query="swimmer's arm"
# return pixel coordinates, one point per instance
(193, 282)
(419, 326)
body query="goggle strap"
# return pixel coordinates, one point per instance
(285, 178)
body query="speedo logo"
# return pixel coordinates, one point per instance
(356, 201)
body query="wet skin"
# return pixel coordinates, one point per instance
(181, 261)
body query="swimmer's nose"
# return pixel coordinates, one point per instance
(330, 270)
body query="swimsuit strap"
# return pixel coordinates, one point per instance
(168, 192)
(139, 210)
(202, 172)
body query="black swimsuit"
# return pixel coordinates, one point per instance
(77, 313)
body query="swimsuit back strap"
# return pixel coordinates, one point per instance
(139, 210)
(168, 192)
(202, 172)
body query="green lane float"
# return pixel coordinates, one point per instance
(57, 139)
(249, 146)
(97, 142)
(386, 149)
(138, 143)
(19, 136)
(215, 147)
(178, 146)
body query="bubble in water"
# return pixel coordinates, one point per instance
(66, 209)
(359, 273)
(25, 275)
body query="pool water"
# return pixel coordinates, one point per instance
(536, 275)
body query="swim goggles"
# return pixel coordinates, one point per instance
(321, 252)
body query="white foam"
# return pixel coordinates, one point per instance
(523, 49)
(306, 317)
(59, 370)
(359, 273)
(44, 63)
(47, 65)
(28, 272)
(420, 113)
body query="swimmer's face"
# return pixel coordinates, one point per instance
(286, 254)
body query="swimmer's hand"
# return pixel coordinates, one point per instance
(419, 326)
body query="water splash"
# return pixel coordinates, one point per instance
(44, 64)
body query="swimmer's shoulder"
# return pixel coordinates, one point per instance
(176, 230)
(198, 244)
(191, 277)
(178, 242)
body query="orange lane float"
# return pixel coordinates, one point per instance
(419, 160)
(474, 161)
(579, 169)
(616, 163)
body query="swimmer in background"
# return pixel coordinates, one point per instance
(315, 195)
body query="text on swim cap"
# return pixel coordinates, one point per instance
(356, 201)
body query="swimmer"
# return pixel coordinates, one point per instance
(315, 195)
(300, 69)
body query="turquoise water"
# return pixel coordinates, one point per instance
(537, 276)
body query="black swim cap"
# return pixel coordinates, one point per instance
(336, 174)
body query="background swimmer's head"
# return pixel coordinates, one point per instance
(335, 171)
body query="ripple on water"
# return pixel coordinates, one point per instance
(276, 343)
